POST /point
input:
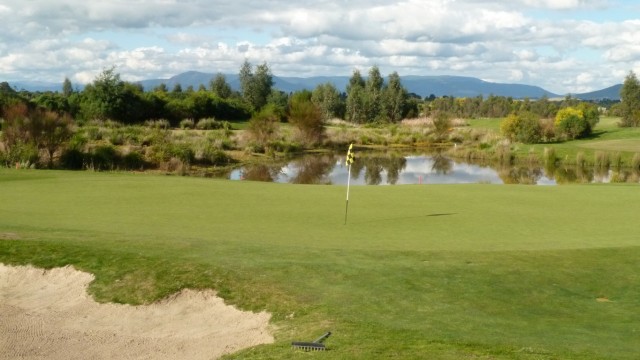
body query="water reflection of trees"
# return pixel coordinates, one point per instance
(317, 169)
(260, 172)
(314, 169)
(442, 165)
(373, 167)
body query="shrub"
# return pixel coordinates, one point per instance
(158, 124)
(187, 124)
(104, 157)
(524, 127)
(208, 124)
(213, 156)
(571, 124)
(183, 152)
(72, 159)
(263, 126)
(25, 154)
(133, 161)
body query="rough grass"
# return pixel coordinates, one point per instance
(439, 271)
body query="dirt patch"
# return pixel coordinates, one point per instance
(47, 314)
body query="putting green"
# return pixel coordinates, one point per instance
(418, 271)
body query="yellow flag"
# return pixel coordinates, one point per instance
(349, 156)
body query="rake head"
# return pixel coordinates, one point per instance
(315, 345)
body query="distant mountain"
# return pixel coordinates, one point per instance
(424, 86)
(611, 93)
(457, 86)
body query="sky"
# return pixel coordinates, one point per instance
(564, 46)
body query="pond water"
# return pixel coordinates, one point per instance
(394, 169)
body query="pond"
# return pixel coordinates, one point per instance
(397, 169)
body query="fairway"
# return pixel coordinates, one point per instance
(436, 271)
(629, 145)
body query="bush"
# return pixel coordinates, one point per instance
(133, 161)
(524, 127)
(208, 124)
(571, 124)
(104, 157)
(158, 124)
(213, 156)
(72, 159)
(25, 154)
(187, 124)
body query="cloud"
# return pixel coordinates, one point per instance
(490, 39)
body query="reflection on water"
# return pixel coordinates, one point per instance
(395, 169)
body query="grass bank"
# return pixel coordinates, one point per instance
(439, 271)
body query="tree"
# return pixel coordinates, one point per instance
(441, 125)
(25, 130)
(327, 97)
(55, 132)
(255, 87)
(373, 95)
(67, 88)
(355, 111)
(220, 87)
(104, 97)
(306, 117)
(394, 99)
(630, 101)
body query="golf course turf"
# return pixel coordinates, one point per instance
(419, 271)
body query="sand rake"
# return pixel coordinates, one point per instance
(315, 345)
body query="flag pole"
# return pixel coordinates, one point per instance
(346, 209)
(348, 162)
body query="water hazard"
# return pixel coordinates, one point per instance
(393, 169)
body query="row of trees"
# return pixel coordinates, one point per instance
(366, 100)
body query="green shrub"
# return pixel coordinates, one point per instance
(524, 127)
(183, 152)
(571, 124)
(187, 124)
(212, 156)
(104, 157)
(72, 159)
(133, 161)
(158, 124)
(24, 154)
(208, 124)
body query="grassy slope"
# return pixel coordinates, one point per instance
(607, 137)
(445, 271)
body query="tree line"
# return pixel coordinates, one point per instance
(27, 116)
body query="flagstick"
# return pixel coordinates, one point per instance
(346, 209)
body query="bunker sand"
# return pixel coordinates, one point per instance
(48, 314)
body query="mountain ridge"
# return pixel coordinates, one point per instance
(422, 85)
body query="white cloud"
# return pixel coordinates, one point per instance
(488, 39)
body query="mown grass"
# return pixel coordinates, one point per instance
(443, 272)
(608, 138)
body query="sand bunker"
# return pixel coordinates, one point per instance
(47, 314)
